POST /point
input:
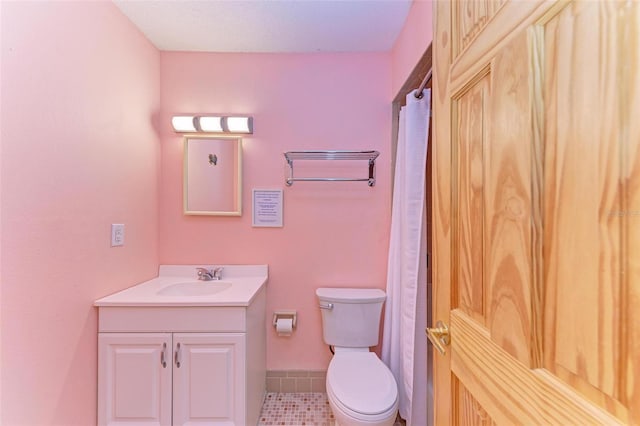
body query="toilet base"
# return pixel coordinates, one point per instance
(342, 419)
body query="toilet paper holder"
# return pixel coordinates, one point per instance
(292, 315)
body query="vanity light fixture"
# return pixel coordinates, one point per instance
(212, 124)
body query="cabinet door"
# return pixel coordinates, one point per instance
(134, 386)
(209, 379)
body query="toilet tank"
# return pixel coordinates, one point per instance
(351, 316)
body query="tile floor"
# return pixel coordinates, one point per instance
(297, 409)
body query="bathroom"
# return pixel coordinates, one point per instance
(535, 201)
(87, 142)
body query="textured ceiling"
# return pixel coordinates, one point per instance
(269, 25)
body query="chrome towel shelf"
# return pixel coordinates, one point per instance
(369, 156)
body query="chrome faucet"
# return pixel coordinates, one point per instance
(214, 274)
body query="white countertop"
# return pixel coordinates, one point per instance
(246, 281)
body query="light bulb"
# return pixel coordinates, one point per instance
(239, 124)
(210, 124)
(183, 123)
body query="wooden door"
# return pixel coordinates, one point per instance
(536, 211)
(134, 379)
(209, 379)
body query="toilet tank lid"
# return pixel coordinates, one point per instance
(351, 295)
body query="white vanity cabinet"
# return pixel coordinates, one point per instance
(178, 365)
(208, 378)
(132, 386)
(172, 378)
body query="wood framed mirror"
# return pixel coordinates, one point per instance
(212, 175)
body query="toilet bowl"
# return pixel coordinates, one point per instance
(361, 390)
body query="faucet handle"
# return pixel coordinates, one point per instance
(217, 272)
(204, 274)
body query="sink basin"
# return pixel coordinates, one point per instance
(194, 288)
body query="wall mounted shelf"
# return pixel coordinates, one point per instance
(369, 156)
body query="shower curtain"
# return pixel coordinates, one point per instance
(404, 347)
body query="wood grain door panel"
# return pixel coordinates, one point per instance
(536, 211)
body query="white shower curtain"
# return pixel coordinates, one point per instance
(404, 347)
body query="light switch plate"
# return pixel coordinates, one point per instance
(117, 234)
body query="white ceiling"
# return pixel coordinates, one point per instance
(269, 25)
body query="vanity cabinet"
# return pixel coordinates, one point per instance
(177, 365)
(172, 378)
(132, 386)
(208, 378)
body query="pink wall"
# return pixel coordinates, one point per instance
(1, 135)
(335, 233)
(413, 41)
(80, 94)
(80, 98)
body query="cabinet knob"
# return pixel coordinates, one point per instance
(163, 362)
(177, 356)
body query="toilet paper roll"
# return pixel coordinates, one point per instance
(284, 326)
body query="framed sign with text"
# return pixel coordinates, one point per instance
(267, 208)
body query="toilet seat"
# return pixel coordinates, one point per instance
(361, 385)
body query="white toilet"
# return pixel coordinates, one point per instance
(360, 388)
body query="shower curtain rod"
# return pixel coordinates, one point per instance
(427, 78)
